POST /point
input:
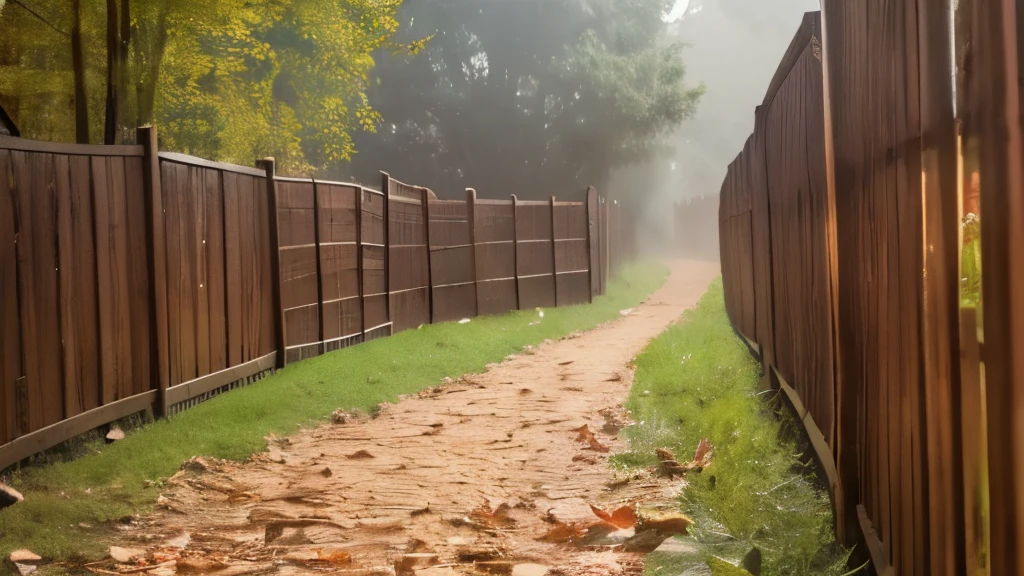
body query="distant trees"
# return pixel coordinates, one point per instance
(226, 79)
(529, 96)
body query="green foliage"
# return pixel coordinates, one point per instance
(123, 478)
(231, 80)
(697, 380)
(528, 96)
(970, 262)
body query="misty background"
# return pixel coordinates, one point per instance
(731, 46)
(647, 100)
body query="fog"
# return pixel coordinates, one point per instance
(734, 47)
(499, 101)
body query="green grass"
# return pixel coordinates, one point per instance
(698, 380)
(234, 425)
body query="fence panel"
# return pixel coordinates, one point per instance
(572, 257)
(219, 301)
(452, 274)
(535, 258)
(408, 256)
(300, 289)
(494, 227)
(75, 319)
(373, 252)
(794, 157)
(341, 310)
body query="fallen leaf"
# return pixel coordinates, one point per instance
(615, 378)
(25, 556)
(672, 523)
(623, 517)
(336, 557)
(360, 455)
(585, 436)
(492, 518)
(561, 533)
(566, 363)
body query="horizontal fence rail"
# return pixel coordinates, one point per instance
(133, 280)
(846, 268)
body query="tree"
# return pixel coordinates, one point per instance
(230, 80)
(519, 95)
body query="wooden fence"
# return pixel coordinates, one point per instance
(134, 280)
(841, 241)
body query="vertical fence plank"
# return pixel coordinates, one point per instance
(268, 165)
(515, 244)
(386, 189)
(471, 223)
(10, 314)
(155, 243)
(425, 194)
(554, 252)
(591, 206)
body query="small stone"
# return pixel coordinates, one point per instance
(9, 496)
(25, 569)
(125, 555)
(339, 417)
(25, 556)
(115, 434)
(326, 473)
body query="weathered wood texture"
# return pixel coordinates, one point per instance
(132, 279)
(840, 240)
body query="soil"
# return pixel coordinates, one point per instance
(465, 478)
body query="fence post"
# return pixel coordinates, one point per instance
(359, 262)
(590, 206)
(426, 240)
(385, 188)
(471, 221)
(554, 252)
(269, 166)
(319, 270)
(155, 241)
(515, 247)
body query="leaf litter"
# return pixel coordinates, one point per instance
(507, 487)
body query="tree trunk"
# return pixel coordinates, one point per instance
(122, 72)
(110, 121)
(153, 39)
(77, 58)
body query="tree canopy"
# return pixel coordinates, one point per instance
(231, 80)
(524, 96)
(527, 97)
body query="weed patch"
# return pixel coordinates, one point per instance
(697, 380)
(69, 506)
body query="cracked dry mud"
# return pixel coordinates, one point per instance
(406, 492)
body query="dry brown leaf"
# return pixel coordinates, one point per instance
(673, 523)
(586, 436)
(497, 518)
(360, 455)
(561, 533)
(336, 557)
(623, 517)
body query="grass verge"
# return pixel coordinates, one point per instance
(122, 479)
(698, 380)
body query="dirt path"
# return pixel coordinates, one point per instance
(409, 489)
